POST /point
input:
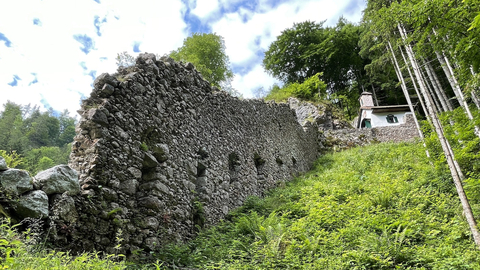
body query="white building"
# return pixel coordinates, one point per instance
(371, 116)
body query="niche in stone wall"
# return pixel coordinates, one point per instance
(279, 161)
(259, 163)
(294, 161)
(233, 166)
(201, 183)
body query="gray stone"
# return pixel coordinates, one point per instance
(33, 204)
(149, 161)
(189, 66)
(151, 223)
(15, 182)
(152, 243)
(155, 185)
(107, 90)
(109, 194)
(152, 203)
(98, 116)
(129, 186)
(104, 78)
(3, 164)
(191, 130)
(161, 152)
(135, 172)
(58, 179)
(63, 207)
(145, 57)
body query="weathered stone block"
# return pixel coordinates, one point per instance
(161, 152)
(58, 179)
(63, 207)
(15, 182)
(149, 161)
(33, 204)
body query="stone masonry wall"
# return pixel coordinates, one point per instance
(347, 138)
(159, 151)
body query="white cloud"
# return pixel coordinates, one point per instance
(205, 8)
(245, 39)
(50, 51)
(249, 33)
(54, 55)
(253, 80)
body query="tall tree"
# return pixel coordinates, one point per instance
(207, 53)
(291, 57)
(309, 48)
(11, 128)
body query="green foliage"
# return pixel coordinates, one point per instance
(311, 89)
(45, 163)
(445, 26)
(13, 159)
(309, 48)
(377, 207)
(23, 251)
(460, 132)
(124, 59)
(144, 146)
(198, 213)
(42, 158)
(207, 53)
(33, 140)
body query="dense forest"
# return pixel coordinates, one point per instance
(442, 37)
(378, 207)
(35, 140)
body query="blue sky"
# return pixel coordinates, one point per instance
(51, 50)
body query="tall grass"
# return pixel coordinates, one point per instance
(26, 251)
(377, 207)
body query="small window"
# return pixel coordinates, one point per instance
(366, 123)
(392, 119)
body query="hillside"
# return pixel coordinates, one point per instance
(381, 206)
(377, 207)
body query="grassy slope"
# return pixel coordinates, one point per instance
(377, 207)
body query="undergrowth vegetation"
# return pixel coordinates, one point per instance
(27, 251)
(377, 207)
(312, 89)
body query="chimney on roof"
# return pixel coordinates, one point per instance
(366, 100)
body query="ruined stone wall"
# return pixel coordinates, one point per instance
(159, 151)
(347, 138)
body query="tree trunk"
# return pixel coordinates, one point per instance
(445, 146)
(374, 95)
(405, 91)
(407, 96)
(453, 82)
(474, 96)
(436, 103)
(413, 82)
(437, 87)
(456, 88)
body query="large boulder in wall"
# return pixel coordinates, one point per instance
(58, 179)
(15, 182)
(33, 204)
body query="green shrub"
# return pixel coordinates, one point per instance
(24, 251)
(12, 159)
(377, 207)
(311, 89)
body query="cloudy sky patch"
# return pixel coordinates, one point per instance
(51, 50)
